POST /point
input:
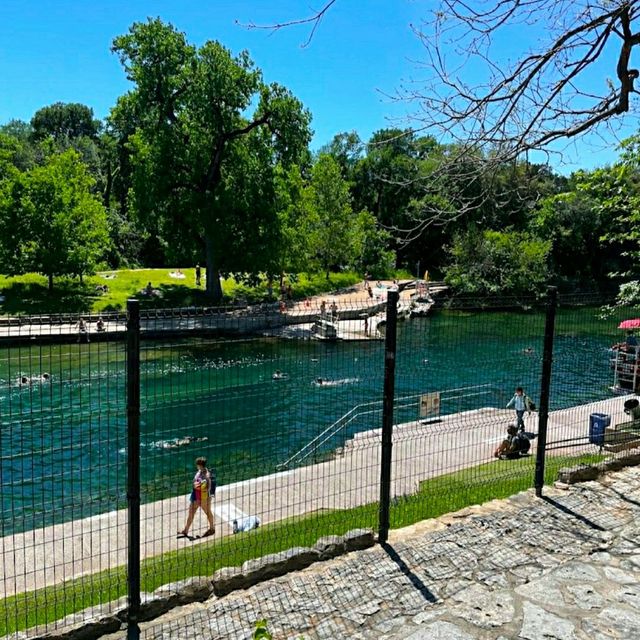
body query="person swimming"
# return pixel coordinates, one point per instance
(175, 443)
(325, 382)
(29, 380)
(278, 375)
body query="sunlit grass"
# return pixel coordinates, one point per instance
(29, 294)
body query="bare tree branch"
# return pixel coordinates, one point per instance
(314, 20)
(546, 93)
(501, 78)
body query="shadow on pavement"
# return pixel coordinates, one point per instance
(574, 514)
(415, 580)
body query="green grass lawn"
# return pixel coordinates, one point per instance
(435, 497)
(29, 294)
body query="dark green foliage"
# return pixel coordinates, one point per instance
(205, 136)
(494, 262)
(64, 122)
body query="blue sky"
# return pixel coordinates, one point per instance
(60, 51)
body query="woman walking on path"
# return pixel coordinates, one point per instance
(204, 488)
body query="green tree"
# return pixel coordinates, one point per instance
(498, 263)
(16, 145)
(16, 237)
(209, 134)
(64, 122)
(347, 150)
(385, 179)
(573, 225)
(374, 255)
(293, 204)
(391, 182)
(616, 192)
(50, 221)
(335, 235)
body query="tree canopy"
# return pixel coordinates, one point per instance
(203, 161)
(205, 134)
(64, 121)
(50, 222)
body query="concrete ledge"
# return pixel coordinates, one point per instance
(583, 473)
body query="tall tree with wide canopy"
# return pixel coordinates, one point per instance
(209, 134)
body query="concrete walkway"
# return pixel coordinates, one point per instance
(566, 567)
(61, 552)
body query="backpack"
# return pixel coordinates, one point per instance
(531, 405)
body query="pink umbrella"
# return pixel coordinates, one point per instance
(630, 324)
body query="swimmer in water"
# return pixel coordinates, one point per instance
(24, 380)
(278, 375)
(179, 442)
(528, 350)
(326, 382)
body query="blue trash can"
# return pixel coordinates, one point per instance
(598, 422)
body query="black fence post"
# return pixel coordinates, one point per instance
(133, 461)
(545, 386)
(387, 414)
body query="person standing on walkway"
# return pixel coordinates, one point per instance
(204, 488)
(198, 275)
(521, 403)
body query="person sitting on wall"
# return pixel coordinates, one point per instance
(516, 444)
(83, 330)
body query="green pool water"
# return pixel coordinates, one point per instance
(63, 442)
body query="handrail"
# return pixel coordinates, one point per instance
(331, 427)
(315, 443)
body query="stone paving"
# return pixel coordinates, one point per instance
(566, 567)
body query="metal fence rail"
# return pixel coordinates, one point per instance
(314, 418)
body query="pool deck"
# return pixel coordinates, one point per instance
(53, 554)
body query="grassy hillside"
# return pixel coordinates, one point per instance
(29, 294)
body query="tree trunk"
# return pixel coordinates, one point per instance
(50, 282)
(214, 287)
